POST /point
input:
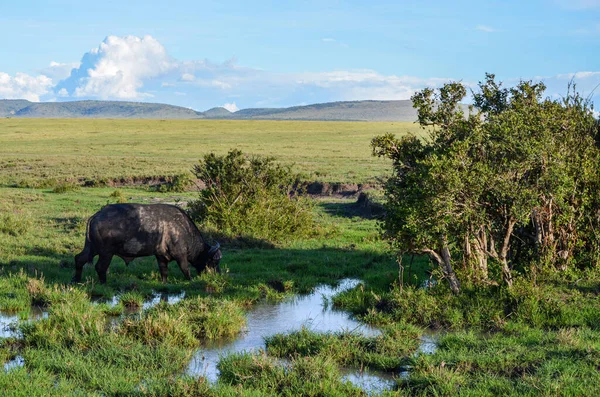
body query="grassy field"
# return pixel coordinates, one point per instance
(75, 348)
(38, 152)
(536, 339)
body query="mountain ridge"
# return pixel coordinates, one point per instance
(367, 110)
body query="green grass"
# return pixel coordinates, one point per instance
(80, 348)
(387, 352)
(47, 152)
(539, 339)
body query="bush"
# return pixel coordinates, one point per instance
(14, 222)
(176, 184)
(119, 196)
(66, 187)
(250, 195)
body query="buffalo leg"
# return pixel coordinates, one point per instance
(85, 256)
(102, 267)
(163, 266)
(80, 261)
(183, 265)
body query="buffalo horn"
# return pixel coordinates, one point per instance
(214, 248)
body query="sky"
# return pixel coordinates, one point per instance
(242, 54)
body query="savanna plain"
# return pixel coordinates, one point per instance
(121, 339)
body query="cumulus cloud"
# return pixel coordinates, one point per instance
(367, 84)
(118, 68)
(138, 68)
(232, 107)
(58, 71)
(24, 86)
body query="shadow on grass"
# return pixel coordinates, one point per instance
(581, 285)
(246, 272)
(352, 210)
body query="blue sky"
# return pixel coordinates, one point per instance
(201, 54)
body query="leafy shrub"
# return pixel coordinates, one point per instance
(119, 196)
(65, 187)
(250, 195)
(178, 183)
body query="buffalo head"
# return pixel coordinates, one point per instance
(210, 258)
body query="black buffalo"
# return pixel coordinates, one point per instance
(133, 230)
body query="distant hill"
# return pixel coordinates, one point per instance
(334, 111)
(217, 113)
(342, 111)
(95, 109)
(8, 107)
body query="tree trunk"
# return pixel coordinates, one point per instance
(443, 260)
(480, 247)
(447, 267)
(503, 257)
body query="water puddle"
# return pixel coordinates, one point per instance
(310, 311)
(16, 362)
(428, 345)
(163, 297)
(156, 298)
(9, 322)
(373, 382)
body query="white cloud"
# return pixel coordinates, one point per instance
(232, 107)
(58, 71)
(137, 68)
(207, 83)
(327, 40)
(118, 68)
(23, 86)
(188, 77)
(485, 28)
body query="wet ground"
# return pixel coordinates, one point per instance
(313, 311)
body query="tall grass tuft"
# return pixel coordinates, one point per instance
(14, 222)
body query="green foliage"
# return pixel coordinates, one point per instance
(250, 195)
(493, 308)
(14, 222)
(119, 196)
(65, 187)
(177, 183)
(513, 185)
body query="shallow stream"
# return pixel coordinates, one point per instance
(313, 311)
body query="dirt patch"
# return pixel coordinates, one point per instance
(334, 189)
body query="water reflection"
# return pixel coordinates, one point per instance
(16, 362)
(267, 319)
(9, 322)
(373, 382)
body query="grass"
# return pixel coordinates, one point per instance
(518, 361)
(80, 349)
(48, 152)
(387, 352)
(541, 339)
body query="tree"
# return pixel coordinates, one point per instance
(514, 183)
